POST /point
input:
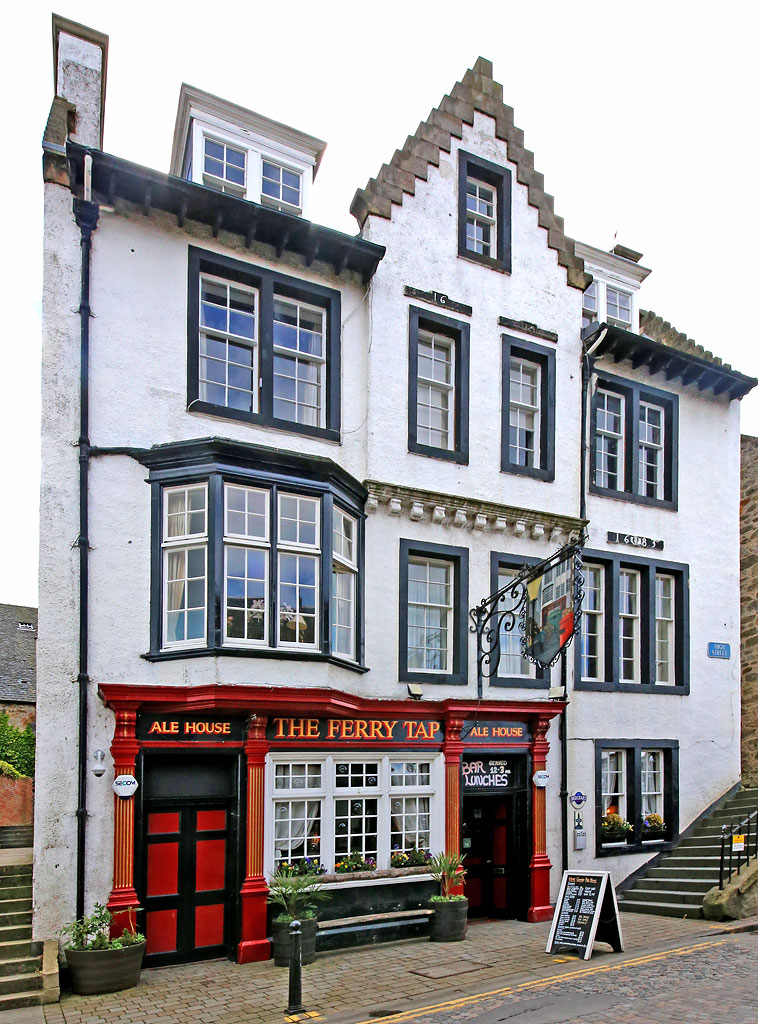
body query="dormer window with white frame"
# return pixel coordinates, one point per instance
(236, 151)
(606, 303)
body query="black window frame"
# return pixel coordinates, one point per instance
(612, 563)
(633, 393)
(277, 474)
(633, 750)
(541, 681)
(545, 359)
(459, 333)
(471, 166)
(269, 285)
(458, 557)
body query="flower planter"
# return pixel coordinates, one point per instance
(615, 837)
(654, 833)
(449, 920)
(280, 934)
(94, 971)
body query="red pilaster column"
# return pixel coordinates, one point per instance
(254, 945)
(124, 750)
(452, 748)
(540, 908)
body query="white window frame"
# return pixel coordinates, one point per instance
(185, 542)
(229, 338)
(280, 204)
(655, 794)
(295, 355)
(344, 567)
(246, 543)
(257, 148)
(603, 435)
(224, 184)
(525, 409)
(630, 620)
(607, 795)
(441, 342)
(616, 321)
(597, 616)
(328, 794)
(646, 446)
(300, 550)
(510, 640)
(665, 623)
(450, 620)
(590, 303)
(481, 218)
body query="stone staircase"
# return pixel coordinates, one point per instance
(15, 837)
(20, 971)
(676, 884)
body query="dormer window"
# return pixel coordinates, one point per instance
(281, 187)
(589, 304)
(618, 307)
(224, 167)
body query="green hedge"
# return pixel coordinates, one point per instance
(17, 746)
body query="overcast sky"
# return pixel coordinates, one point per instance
(641, 118)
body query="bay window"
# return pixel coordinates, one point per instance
(254, 560)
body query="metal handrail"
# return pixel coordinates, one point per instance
(751, 836)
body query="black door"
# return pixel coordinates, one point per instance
(188, 863)
(493, 837)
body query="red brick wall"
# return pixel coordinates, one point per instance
(16, 801)
(749, 608)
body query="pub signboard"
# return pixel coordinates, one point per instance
(585, 912)
(418, 731)
(190, 728)
(493, 773)
(475, 733)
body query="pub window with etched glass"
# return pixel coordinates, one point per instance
(344, 813)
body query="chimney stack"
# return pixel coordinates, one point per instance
(80, 64)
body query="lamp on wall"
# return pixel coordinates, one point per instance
(98, 768)
(414, 691)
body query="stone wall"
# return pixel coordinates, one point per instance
(16, 801)
(749, 603)
(19, 715)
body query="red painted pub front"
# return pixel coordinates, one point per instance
(190, 845)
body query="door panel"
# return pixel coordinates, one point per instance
(160, 930)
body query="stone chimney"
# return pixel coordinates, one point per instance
(80, 63)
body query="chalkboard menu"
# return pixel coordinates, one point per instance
(489, 774)
(585, 912)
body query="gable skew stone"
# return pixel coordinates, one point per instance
(476, 92)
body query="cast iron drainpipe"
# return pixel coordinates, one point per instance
(86, 213)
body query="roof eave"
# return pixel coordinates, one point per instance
(606, 340)
(113, 177)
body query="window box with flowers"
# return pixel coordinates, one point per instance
(615, 829)
(653, 828)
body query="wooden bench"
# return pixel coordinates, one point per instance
(371, 928)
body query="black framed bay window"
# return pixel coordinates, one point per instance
(528, 410)
(438, 385)
(262, 347)
(433, 626)
(636, 795)
(255, 553)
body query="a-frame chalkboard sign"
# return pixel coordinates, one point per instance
(585, 912)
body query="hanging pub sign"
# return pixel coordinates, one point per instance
(492, 774)
(419, 732)
(192, 728)
(585, 912)
(549, 612)
(473, 732)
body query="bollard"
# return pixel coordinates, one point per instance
(296, 966)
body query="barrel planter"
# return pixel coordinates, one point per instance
(280, 935)
(94, 971)
(448, 922)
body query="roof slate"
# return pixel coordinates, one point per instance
(477, 91)
(660, 330)
(18, 654)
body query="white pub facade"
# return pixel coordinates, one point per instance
(280, 465)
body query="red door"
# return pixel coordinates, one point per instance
(187, 904)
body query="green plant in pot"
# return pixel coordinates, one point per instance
(615, 829)
(653, 827)
(98, 963)
(450, 909)
(296, 895)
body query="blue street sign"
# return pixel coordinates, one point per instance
(719, 650)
